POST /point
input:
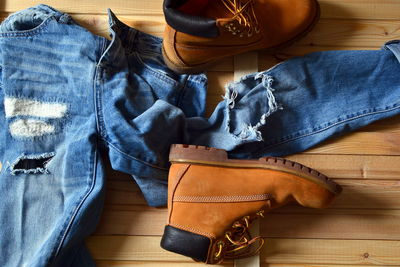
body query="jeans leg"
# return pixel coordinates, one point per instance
(83, 258)
(302, 102)
(289, 108)
(51, 182)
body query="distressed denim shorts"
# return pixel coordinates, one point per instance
(66, 96)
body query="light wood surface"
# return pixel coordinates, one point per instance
(362, 228)
(244, 64)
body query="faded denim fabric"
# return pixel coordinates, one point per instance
(67, 95)
(303, 101)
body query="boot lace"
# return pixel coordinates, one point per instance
(237, 243)
(244, 14)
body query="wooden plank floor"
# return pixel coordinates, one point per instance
(362, 228)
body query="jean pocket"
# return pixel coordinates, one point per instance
(27, 22)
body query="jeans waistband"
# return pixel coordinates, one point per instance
(30, 18)
(133, 39)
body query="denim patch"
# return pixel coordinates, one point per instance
(30, 107)
(33, 118)
(26, 128)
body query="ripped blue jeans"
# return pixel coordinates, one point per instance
(66, 96)
(303, 101)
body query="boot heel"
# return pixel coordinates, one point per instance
(186, 243)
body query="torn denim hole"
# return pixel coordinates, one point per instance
(248, 130)
(31, 163)
(229, 97)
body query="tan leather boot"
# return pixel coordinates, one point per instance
(198, 32)
(213, 200)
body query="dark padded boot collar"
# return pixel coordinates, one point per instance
(185, 243)
(193, 25)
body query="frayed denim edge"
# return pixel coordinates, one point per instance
(43, 170)
(249, 130)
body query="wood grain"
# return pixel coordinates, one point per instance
(101, 263)
(180, 264)
(277, 250)
(338, 9)
(361, 228)
(292, 222)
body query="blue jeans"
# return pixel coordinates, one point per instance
(303, 101)
(67, 95)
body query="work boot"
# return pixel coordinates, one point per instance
(212, 200)
(198, 32)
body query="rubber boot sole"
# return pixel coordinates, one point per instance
(201, 155)
(202, 67)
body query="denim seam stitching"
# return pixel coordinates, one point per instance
(98, 94)
(99, 107)
(40, 28)
(182, 92)
(74, 213)
(330, 126)
(136, 159)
